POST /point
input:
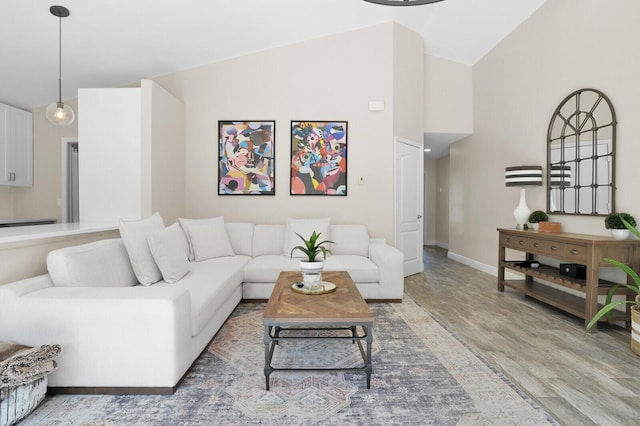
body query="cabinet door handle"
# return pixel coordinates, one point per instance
(536, 245)
(574, 251)
(521, 242)
(554, 248)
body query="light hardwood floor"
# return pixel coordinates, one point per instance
(580, 379)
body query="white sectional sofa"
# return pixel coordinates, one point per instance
(127, 330)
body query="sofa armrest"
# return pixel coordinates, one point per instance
(105, 333)
(390, 262)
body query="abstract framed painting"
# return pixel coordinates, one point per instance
(246, 158)
(318, 158)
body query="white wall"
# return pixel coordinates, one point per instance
(110, 156)
(442, 203)
(164, 140)
(448, 96)
(132, 164)
(331, 78)
(564, 46)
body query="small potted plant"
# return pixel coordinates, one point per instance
(609, 305)
(536, 217)
(311, 267)
(616, 223)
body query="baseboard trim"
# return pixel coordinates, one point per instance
(474, 264)
(90, 390)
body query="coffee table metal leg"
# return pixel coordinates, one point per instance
(368, 365)
(268, 353)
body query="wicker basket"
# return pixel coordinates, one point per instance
(18, 402)
(635, 330)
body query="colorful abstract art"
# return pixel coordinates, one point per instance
(246, 157)
(319, 158)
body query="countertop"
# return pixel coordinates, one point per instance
(36, 232)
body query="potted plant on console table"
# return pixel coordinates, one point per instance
(616, 222)
(312, 268)
(635, 304)
(536, 217)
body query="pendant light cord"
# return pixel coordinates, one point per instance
(60, 59)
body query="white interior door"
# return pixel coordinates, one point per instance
(409, 202)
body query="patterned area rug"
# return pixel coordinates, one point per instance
(422, 374)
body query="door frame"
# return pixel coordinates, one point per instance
(65, 142)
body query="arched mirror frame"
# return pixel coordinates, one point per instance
(567, 183)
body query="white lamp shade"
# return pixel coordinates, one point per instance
(60, 114)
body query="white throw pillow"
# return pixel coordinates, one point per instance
(103, 263)
(134, 234)
(304, 227)
(350, 239)
(208, 238)
(167, 248)
(186, 223)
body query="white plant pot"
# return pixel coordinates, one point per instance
(620, 234)
(311, 274)
(535, 226)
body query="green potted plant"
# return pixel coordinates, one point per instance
(536, 217)
(311, 267)
(609, 305)
(616, 223)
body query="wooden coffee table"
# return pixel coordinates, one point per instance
(342, 309)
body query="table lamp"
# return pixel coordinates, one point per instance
(523, 176)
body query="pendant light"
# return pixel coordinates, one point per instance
(58, 113)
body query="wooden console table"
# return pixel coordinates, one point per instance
(588, 250)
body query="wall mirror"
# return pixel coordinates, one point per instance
(581, 144)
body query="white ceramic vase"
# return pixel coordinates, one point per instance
(311, 274)
(620, 234)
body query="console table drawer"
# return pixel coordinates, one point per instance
(575, 252)
(518, 243)
(554, 248)
(535, 245)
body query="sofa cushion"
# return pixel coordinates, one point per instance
(361, 269)
(267, 239)
(350, 239)
(241, 237)
(266, 268)
(209, 284)
(167, 248)
(103, 263)
(304, 227)
(202, 235)
(134, 235)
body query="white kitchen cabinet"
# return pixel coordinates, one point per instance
(16, 146)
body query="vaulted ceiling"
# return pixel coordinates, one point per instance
(115, 42)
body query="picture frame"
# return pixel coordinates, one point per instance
(318, 158)
(246, 157)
